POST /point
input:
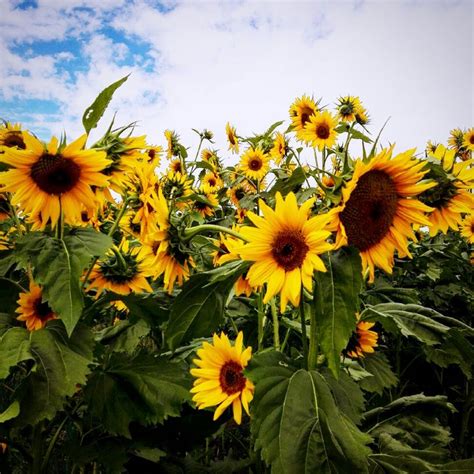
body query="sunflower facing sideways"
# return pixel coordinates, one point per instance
(219, 376)
(33, 310)
(50, 179)
(378, 208)
(285, 246)
(467, 228)
(362, 341)
(232, 138)
(254, 163)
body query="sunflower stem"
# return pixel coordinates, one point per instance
(285, 339)
(45, 462)
(15, 217)
(303, 330)
(36, 445)
(313, 341)
(261, 315)
(276, 326)
(60, 223)
(190, 232)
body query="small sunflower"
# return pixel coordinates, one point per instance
(176, 187)
(128, 224)
(11, 136)
(320, 130)
(226, 248)
(452, 196)
(280, 147)
(33, 310)
(254, 163)
(219, 376)
(378, 208)
(243, 287)
(49, 179)
(300, 112)
(210, 156)
(152, 155)
(206, 207)
(348, 107)
(241, 215)
(172, 139)
(232, 138)
(241, 190)
(430, 147)
(176, 167)
(285, 246)
(468, 142)
(467, 229)
(456, 139)
(362, 341)
(211, 182)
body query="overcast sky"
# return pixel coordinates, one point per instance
(199, 64)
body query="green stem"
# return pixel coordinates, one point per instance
(303, 330)
(261, 315)
(15, 217)
(285, 339)
(190, 232)
(45, 462)
(276, 325)
(60, 223)
(36, 445)
(302, 168)
(313, 341)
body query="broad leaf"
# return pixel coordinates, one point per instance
(11, 412)
(382, 375)
(336, 301)
(14, 348)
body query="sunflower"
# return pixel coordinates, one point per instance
(348, 107)
(280, 147)
(254, 163)
(51, 179)
(226, 248)
(206, 205)
(232, 138)
(467, 230)
(33, 310)
(300, 112)
(173, 143)
(4, 244)
(452, 196)
(243, 287)
(468, 142)
(430, 147)
(285, 247)
(362, 341)
(378, 208)
(11, 136)
(219, 376)
(240, 215)
(211, 182)
(122, 271)
(128, 224)
(177, 188)
(210, 156)
(456, 139)
(153, 155)
(241, 190)
(320, 130)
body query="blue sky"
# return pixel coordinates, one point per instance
(199, 64)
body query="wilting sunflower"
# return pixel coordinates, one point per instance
(211, 182)
(452, 196)
(378, 208)
(254, 163)
(33, 310)
(300, 112)
(279, 149)
(467, 229)
(49, 179)
(122, 271)
(206, 205)
(362, 341)
(320, 130)
(285, 246)
(469, 139)
(11, 136)
(456, 139)
(232, 138)
(348, 107)
(220, 379)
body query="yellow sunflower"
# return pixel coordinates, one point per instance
(33, 310)
(128, 224)
(300, 112)
(285, 245)
(122, 271)
(172, 139)
(4, 244)
(279, 149)
(49, 179)
(362, 341)
(210, 156)
(206, 209)
(11, 136)
(219, 376)
(452, 196)
(320, 130)
(468, 142)
(177, 188)
(254, 163)
(243, 287)
(378, 208)
(239, 191)
(467, 230)
(456, 139)
(430, 147)
(226, 248)
(211, 182)
(232, 138)
(240, 215)
(348, 107)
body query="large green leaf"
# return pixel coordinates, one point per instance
(199, 309)
(94, 112)
(144, 388)
(382, 375)
(336, 300)
(297, 423)
(14, 348)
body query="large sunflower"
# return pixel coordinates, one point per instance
(232, 138)
(362, 341)
(220, 379)
(49, 179)
(255, 164)
(285, 246)
(452, 196)
(33, 310)
(300, 112)
(378, 208)
(320, 130)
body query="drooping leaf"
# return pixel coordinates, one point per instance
(382, 375)
(94, 112)
(11, 412)
(336, 301)
(143, 388)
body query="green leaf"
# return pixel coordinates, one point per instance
(291, 183)
(297, 423)
(382, 376)
(336, 301)
(124, 336)
(11, 412)
(199, 309)
(94, 112)
(9, 294)
(144, 388)
(14, 348)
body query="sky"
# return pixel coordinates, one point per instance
(198, 64)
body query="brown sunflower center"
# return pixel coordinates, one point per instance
(231, 378)
(322, 131)
(55, 174)
(14, 139)
(212, 182)
(231, 138)
(42, 309)
(471, 139)
(239, 194)
(255, 164)
(306, 113)
(290, 249)
(370, 210)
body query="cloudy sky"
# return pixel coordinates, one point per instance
(198, 64)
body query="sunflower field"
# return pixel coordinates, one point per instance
(300, 302)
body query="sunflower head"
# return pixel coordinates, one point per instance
(11, 136)
(232, 138)
(362, 341)
(279, 149)
(173, 147)
(240, 191)
(468, 142)
(467, 229)
(254, 163)
(176, 187)
(211, 182)
(301, 110)
(348, 107)
(219, 376)
(320, 130)
(33, 310)
(456, 139)
(205, 205)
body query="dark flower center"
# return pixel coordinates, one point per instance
(14, 139)
(255, 164)
(42, 310)
(151, 153)
(231, 378)
(239, 194)
(471, 139)
(289, 249)
(212, 182)
(353, 343)
(322, 131)
(54, 174)
(370, 210)
(306, 113)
